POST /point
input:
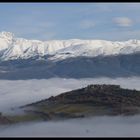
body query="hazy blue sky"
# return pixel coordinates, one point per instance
(45, 21)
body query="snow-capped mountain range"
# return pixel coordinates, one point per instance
(33, 59)
(12, 47)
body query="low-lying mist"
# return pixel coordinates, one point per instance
(21, 92)
(89, 127)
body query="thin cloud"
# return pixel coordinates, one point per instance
(123, 21)
(86, 24)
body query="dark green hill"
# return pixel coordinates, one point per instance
(93, 100)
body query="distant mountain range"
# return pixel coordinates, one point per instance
(75, 58)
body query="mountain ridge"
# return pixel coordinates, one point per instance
(12, 48)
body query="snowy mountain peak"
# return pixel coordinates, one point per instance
(14, 48)
(7, 35)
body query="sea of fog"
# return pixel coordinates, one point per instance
(89, 127)
(20, 92)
